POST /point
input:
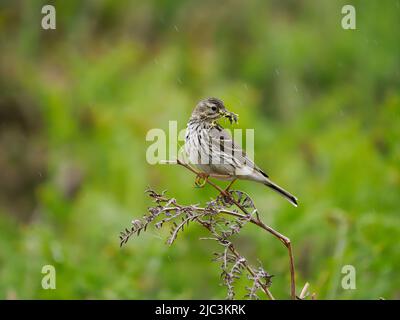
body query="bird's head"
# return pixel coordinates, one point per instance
(212, 109)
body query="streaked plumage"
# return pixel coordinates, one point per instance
(212, 150)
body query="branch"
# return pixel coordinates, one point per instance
(212, 217)
(285, 240)
(245, 264)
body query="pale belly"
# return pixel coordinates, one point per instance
(219, 171)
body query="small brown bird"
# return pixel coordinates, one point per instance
(212, 150)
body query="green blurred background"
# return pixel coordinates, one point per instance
(77, 102)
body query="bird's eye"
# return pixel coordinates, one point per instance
(214, 108)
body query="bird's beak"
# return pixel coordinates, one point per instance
(232, 117)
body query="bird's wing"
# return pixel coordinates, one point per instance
(225, 147)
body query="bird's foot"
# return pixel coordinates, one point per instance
(226, 196)
(201, 179)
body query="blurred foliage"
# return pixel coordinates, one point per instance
(76, 104)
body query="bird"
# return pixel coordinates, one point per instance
(212, 150)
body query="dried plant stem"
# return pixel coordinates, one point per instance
(251, 271)
(230, 247)
(304, 291)
(246, 265)
(285, 240)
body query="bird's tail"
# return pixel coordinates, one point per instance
(291, 198)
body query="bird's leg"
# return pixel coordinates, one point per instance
(230, 185)
(201, 179)
(225, 192)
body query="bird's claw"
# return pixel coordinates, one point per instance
(201, 180)
(226, 196)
